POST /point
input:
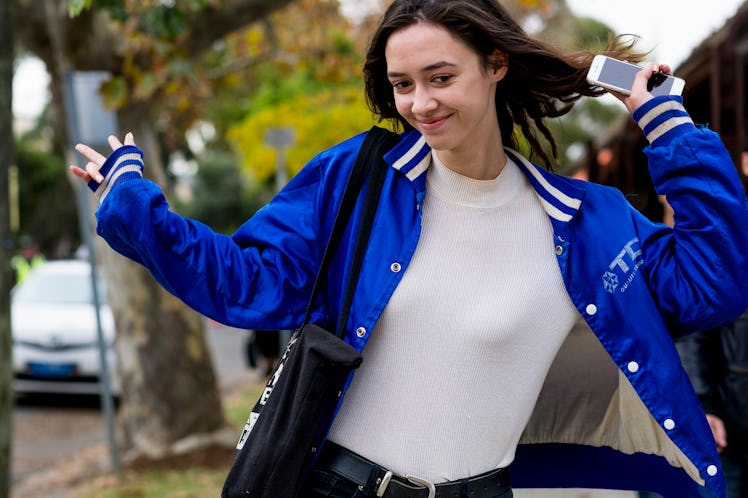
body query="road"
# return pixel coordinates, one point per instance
(49, 429)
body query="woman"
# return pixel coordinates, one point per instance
(510, 316)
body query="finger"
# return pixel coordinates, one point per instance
(718, 430)
(80, 173)
(93, 170)
(664, 68)
(643, 76)
(639, 93)
(720, 436)
(114, 142)
(90, 154)
(129, 139)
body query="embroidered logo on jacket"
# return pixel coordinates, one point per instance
(624, 268)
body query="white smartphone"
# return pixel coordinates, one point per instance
(619, 76)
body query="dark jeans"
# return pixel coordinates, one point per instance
(323, 484)
(736, 475)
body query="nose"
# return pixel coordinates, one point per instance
(423, 101)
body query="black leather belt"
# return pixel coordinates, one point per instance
(385, 484)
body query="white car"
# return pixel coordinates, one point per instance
(55, 331)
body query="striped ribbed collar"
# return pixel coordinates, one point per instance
(560, 196)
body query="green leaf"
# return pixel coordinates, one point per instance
(75, 7)
(115, 93)
(145, 84)
(164, 22)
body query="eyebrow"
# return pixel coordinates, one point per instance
(430, 67)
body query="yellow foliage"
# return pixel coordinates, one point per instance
(253, 37)
(320, 121)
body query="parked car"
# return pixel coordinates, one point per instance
(55, 331)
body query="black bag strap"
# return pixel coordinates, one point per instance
(371, 201)
(370, 155)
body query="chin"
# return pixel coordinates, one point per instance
(437, 143)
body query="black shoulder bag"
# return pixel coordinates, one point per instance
(279, 441)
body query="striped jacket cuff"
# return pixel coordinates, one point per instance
(123, 164)
(663, 118)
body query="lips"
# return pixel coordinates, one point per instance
(431, 123)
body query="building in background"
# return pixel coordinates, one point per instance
(716, 94)
(716, 75)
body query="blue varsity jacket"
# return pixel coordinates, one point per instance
(616, 411)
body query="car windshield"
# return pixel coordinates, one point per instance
(57, 288)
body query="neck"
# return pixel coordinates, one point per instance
(478, 164)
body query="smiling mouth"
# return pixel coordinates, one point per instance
(432, 124)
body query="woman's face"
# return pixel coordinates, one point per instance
(443, 89)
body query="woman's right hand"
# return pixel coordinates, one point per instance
(96, 160)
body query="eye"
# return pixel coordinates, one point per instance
(401, 86)
(441, 78)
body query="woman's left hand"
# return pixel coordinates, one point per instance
(639, 92)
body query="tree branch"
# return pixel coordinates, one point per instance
(213, 23)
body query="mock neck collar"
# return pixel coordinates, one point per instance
(465, 191)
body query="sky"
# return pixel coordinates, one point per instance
(671, 27)
(30, 80)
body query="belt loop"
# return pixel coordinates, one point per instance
(464, 488)
(371, 483)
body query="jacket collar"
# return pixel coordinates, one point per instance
(561, 197)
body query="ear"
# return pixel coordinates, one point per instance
(498, 65)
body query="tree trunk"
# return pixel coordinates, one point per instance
(6, 282)
(168, 386)
(164, 362)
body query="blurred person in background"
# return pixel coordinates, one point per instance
(263, 345)
(26, 259)
(716, 361)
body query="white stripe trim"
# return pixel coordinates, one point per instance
(420, 168)
(108, 179)
(552, 210)
(670, 105)
(133, 156)
(408, 156)
(563, 198)
(666, 127)
(114, 175)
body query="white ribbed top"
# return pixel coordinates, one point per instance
(457, 360)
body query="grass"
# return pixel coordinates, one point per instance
(237, 407)
(193, 482)
(185, 483)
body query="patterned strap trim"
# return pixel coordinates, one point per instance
(123, 164)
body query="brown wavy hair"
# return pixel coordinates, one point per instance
(540, 83)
